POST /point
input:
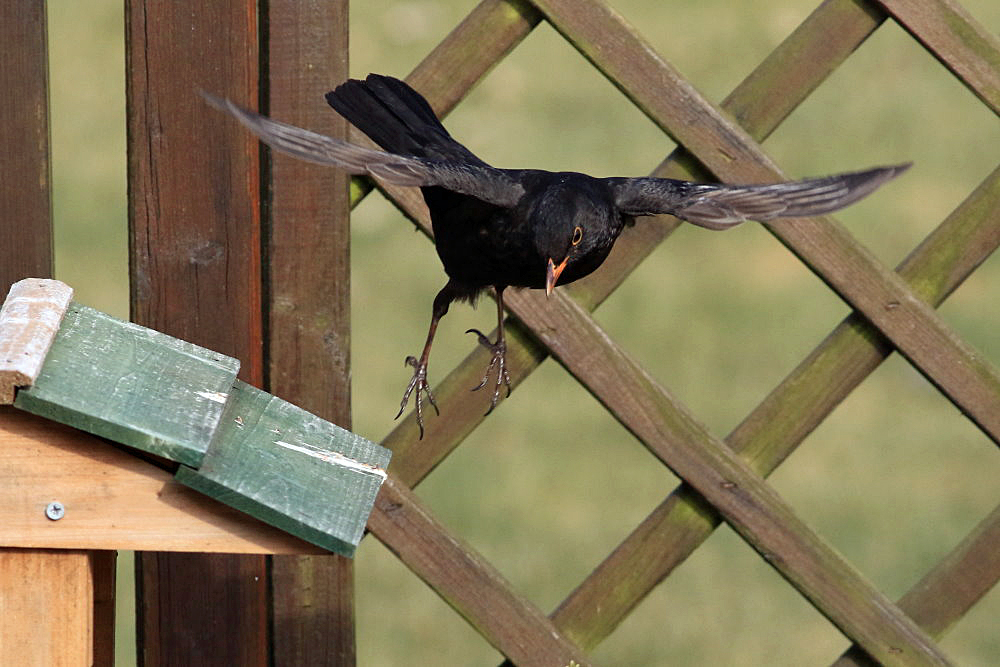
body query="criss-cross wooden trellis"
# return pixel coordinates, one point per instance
(723, 477)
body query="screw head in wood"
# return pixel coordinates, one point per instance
(55, 511)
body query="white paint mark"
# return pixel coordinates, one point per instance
(216, 396)
(334, 457)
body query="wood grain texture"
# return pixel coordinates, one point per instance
(954, 37)
(467, 582)
(113, 499)
(131, 384)
(46, 599)
(29, 319)
(25, 189)
(195, 267)
(308, 307)
(291, 469)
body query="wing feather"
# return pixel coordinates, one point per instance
(718, 206)
(478, 180)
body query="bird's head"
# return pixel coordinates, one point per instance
(572, 233)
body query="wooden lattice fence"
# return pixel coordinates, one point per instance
(185, 216)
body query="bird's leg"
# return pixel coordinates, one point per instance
(499, 350)
(418, 382)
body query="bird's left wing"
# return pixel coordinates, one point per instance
(478, 180)
(717, 206)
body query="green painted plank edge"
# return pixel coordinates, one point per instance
(291, 469)
(131, 384)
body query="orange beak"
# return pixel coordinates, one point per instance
(552, 275)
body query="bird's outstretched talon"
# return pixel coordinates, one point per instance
(419, 384)
(498, 362)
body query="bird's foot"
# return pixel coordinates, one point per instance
(498, 362)
(418, 384)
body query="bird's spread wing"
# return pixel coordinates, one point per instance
(478, 180)
(722, 206)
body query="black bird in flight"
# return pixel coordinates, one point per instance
(505, 228)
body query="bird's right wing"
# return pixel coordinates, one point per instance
(478, 180)
(719, 206)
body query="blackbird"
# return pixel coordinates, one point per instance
(505, 228)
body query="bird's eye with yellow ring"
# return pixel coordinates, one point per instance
(577, 235)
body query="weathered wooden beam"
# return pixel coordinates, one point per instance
(467, 582)
(111, 499)
(29, 320)
(26, 187)
(131, 384)
(307, 303)
(196, 273)
(954, 37)
(952, 587)
(291, 469)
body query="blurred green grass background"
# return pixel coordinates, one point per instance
(550, 483)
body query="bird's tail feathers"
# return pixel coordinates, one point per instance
(396, 117)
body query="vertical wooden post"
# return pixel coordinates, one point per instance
(308, 276)
(195, 245)
(57, 606)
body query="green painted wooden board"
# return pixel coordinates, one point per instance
(131, 384)
(291, 469)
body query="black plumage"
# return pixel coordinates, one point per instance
(530, 228)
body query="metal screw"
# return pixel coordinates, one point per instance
(55, 511)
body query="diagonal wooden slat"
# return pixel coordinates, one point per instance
(467, 582)
(775, 427)
(958, 370)
(952, 587)
(955, 38)
(748, 503)
(487, 34)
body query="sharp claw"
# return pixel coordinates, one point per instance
(418, 384)
(498, 362)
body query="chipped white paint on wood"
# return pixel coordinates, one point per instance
(29, 320)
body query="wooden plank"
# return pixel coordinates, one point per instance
(955, 584)
(25, 190)
(29, 320)
(467, 582)
(112, 499)
(485, 36)
(958, 370)
(133, 385)
(291, 469)
(777, 426)
(46, 600)
(312, 619)
(953, 36)
(195, 267)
